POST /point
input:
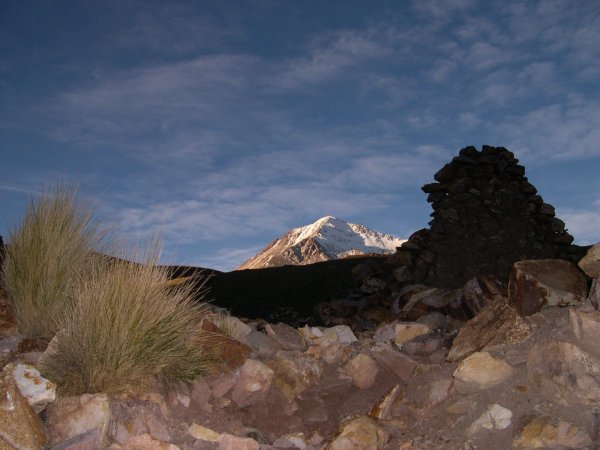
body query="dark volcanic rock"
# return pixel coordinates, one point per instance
(486, 216)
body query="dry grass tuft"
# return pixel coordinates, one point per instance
(45, 256)
(126, 327)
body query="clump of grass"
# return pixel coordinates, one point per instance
(45, 255)
(128, 326)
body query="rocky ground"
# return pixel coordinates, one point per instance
(523, 373)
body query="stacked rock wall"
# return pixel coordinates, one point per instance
(486, 215)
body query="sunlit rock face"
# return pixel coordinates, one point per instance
(486, 216)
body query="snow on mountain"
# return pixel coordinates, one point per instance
(327, 238)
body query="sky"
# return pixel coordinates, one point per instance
(223, 124)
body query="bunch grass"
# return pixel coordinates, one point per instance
(127, 326)
(46, 254)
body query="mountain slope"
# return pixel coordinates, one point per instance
(326, 239)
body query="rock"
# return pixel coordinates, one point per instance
(9, 346)
(136, 418)
(363, 371)
(372, 285)
(147, 442)
(496, 417)
(564, 373)
(404, 332)
(551, 282)
(292, 440)
(590, 263)
(253, 384)
(586, 328)
(425, 344)
(551, 432)
(594, 294)
(385, 332)
(37, 390)
(403, 366)
(203, 433)
(262, 344)
(294, 373)
(383, 409)
(90, 440)
(20, 427)
(482, 291)
(340, 333)
(497, 323)
(71, 416)
(231, 442)
(289, 338)
(440, 390)
(221, 385)
(402, 274)
(481, 371)
(359, 433)
(232, 353)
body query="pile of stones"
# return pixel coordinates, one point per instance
(486, 216)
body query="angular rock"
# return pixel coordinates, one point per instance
(534, 284)
(497, 323)
(482, 291)
(262, 344)
(496, 417)
(253, 384)
(90, 440)
(231, 442)
(590, 263)
(481, 371)
(37, 390)
(402, 365)
(404, 332)
(564, 373)
(292, 440)
(586, 328)
(552, 432)
(289, 338)
(363, 371)
(71, 416)
(20, 427)
(232, 353)
(295, 373)
(203, 433)
(340, 333)
(425, 344)
(359, 433)
(9, 346)
(147, 442)
(383, 409)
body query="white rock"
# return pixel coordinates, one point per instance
(496, 417)
(36, 389)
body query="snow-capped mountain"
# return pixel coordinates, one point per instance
(328, 238)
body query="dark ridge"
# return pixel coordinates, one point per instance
(287, 293)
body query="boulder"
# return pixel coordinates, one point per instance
(564, 373)
(552, 432)
(72, 416)
(590, 263)
(289, 338)
(402, 365)
(359, 433)
(363, 371)
(404, 332)
(497, 323)
(231, 442)
(253, 383)
(534, 284)
(37, 390)
(481, 371)
(294, 373)
(496, 417)
(20, 427)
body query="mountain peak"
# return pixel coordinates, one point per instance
(325, 239)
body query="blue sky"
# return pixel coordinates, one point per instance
(226, 123)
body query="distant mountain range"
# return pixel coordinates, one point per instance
(326, 239)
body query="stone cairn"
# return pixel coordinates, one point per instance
(486, 216)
